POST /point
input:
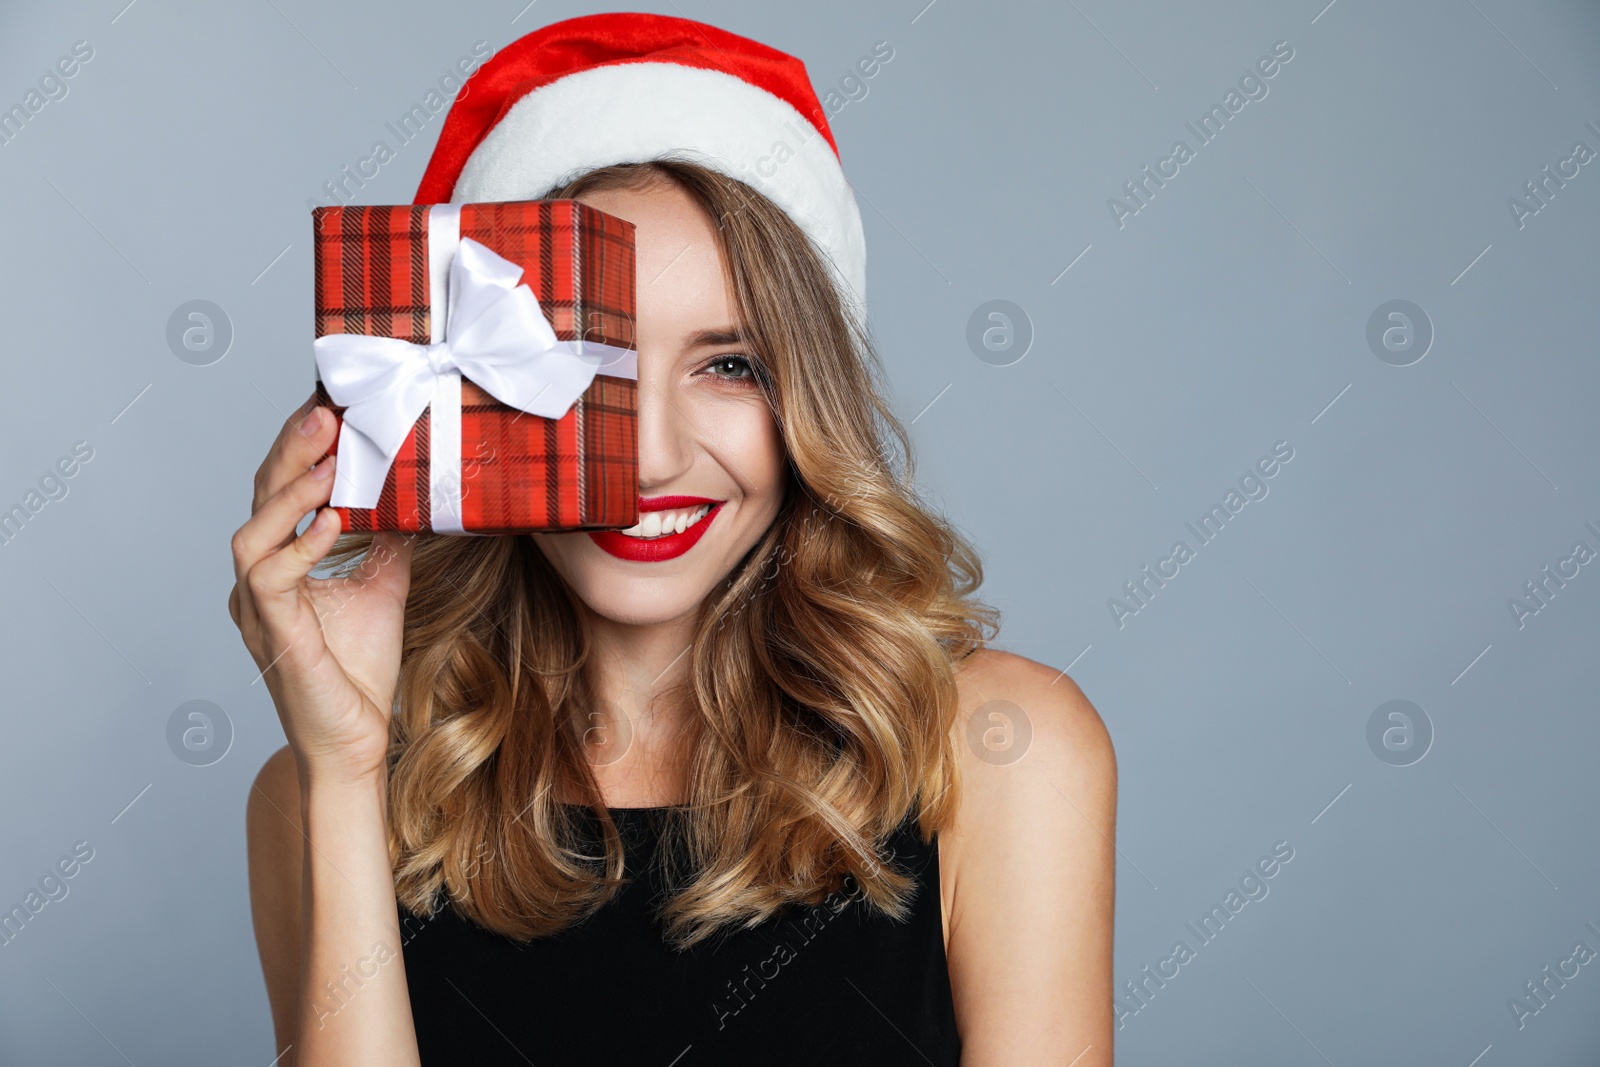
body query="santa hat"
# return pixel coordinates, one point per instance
(627, 88)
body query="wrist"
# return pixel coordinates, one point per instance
(342, 784)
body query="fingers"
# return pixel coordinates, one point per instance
(271, 528)
(275, 581)
(305, 437)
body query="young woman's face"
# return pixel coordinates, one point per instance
(711, 459)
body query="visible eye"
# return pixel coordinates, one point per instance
(732, 368)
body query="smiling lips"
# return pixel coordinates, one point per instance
(668, 527)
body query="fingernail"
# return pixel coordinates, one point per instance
(312, 421)
(323, 469)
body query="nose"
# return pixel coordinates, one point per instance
(666, 438)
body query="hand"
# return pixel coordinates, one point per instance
(329, 648)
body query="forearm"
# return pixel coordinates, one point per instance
(354, 1007)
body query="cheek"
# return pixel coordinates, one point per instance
(763, 464)
(772, 452)
(561, 551)
(742, 437)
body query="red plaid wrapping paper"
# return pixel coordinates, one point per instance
(520, 472)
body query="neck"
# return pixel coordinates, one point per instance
(635, 731)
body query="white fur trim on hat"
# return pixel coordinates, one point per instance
(635, 112)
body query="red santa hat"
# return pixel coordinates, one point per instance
(627, 88)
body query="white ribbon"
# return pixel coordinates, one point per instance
(486, 326)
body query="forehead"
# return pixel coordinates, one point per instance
(682, 284)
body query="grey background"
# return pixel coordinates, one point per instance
(1227, 315)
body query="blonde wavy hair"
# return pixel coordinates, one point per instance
(820, 687)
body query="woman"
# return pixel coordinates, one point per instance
(731, 786)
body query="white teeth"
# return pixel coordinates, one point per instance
(663, 523)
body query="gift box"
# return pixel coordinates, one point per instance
(481, 361)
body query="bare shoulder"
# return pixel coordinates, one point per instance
(1027, 870)
(272, 812)
(1014, 709)
(1035, 758)
(273, 820)
(275, 844)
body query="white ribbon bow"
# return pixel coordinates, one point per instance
(494, 334)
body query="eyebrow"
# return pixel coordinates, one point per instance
(726, 336)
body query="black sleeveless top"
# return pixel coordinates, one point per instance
(836, 984)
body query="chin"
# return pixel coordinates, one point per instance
(639, 601)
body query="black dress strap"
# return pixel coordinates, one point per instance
(836, 984)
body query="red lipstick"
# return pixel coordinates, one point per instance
(656, 549)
